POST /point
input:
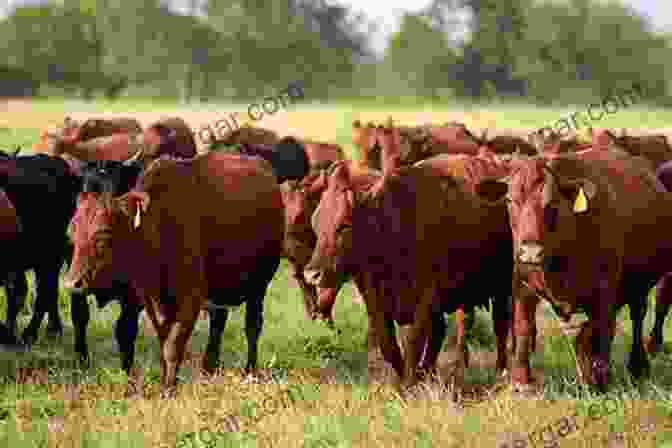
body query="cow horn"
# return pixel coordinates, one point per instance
(17, 150)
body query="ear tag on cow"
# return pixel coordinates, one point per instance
(136, 220)
(581, 202)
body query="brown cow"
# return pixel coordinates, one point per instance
(587, 236)
(656, 148)
(210, 227)
(301, 199)
(404, 241)
(90, 129)
(170, 136)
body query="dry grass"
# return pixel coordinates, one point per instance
(337, 401)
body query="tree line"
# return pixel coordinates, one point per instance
(541, 51)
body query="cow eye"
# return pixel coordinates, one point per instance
(343, 228)
(551, 218)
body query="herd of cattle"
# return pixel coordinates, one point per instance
(430, 220)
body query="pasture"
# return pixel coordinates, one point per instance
(345, 395)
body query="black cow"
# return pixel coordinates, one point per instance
(44, 191)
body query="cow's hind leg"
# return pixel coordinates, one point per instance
(254, 312)
(218, 318)
(17, 290)
(81, 315)
(45, 302)
(434, 344)
(663, 303)
(639, 363)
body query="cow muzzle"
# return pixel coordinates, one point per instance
(531, 253)
(321, 278)
(74, 284)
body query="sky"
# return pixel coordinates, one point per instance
(386, 13)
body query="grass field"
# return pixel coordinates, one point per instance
(335, 400)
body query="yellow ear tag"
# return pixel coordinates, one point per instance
(136, 220)
(581, 202)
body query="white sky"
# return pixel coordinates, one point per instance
(386, 13)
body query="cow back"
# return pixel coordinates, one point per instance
(223, 209)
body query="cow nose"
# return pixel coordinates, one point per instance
(73, 285)
(531, 253)
(312, 276)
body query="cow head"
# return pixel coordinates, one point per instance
(332, 222)
(100, 226)
(301, 198)
(538, 201)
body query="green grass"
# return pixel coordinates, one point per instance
(344, 411)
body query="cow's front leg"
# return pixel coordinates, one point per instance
(178, 332)
(522, 331)
(419, 333)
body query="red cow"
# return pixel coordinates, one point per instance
(207, 228)
(588, 237)
(414, 259)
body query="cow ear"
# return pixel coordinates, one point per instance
(492, 190)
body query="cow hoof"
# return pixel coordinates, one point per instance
(168, 393)
(651, 346)
(528, 389)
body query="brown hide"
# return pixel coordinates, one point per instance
(608, 251)
(177, 141)
(201, 225)
(321, 154)
(656, 148)
(90, 129)
(301, 199)
(249, 135)
(422, 240)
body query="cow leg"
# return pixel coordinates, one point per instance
(46, 301)
(421, 328)
(603, 323)
(79, 308)
(254, 321)
(17, 290)
(218, 318)
(522, 330)
(501, 315)
(663, 303)
(639, 362)
(126, 332)
(434, 344)
(309, 291)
